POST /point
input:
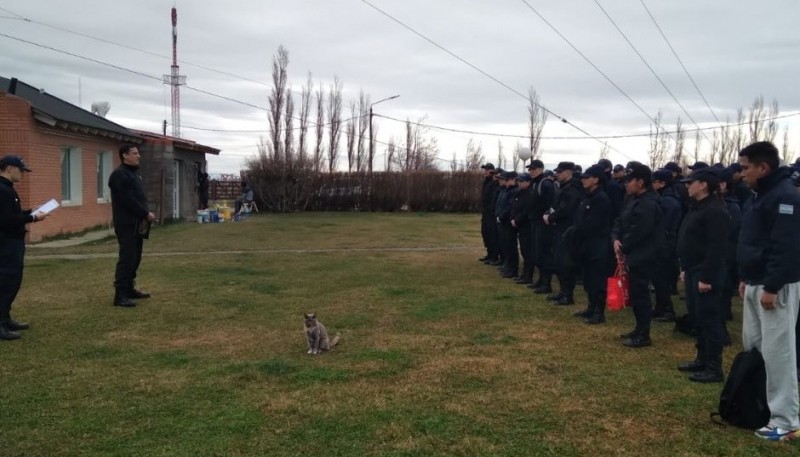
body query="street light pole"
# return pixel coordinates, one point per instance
(371, 143)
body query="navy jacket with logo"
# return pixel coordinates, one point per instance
(769, 240)
(12, 217)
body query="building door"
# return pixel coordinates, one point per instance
(176, 189)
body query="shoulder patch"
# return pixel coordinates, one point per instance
(785, 209)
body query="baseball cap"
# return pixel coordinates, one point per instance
(14, 161)
(535, 163)
(522, 177)
(673, 167)
(595, 171)
(563, 166)
(708, 175)
(663, 174)
(698, 166)
(488, 166)
(638, 170)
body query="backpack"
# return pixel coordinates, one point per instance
(743, 401)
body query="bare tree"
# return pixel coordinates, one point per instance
(772, 124)
(276, 98)
(390, 151)
(659, 142)
(334, 119)
(363, 123)
(318, 149)
(288, 130)
(474, 156)
(698, 143)
(717, 146)
(786, 154)
(537, 117)
(763, 126)
(680, 140)
(350, 138)
(305, 108)
(604, 152)
(515, 158)
(418, 152)
(454, 163)
(501, 158)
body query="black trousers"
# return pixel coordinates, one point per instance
(705, 311)
(565, 266)
(595, 283)
(665, 276)
(130, 256)
(12, 255)
(639, 296)
(489, 234)
(525, 236)
(543, 248)
(508, 241)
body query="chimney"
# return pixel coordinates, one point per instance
(12, 86)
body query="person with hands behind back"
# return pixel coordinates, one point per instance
(12, 242)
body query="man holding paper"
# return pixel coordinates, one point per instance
(132, 220)
(12, 242)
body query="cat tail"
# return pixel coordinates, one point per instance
(334, 341)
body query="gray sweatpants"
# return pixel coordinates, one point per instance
(773, 334)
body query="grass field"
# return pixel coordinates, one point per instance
(438, 355)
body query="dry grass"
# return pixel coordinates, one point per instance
(438, 355)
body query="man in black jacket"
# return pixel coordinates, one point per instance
(561, 219)
(544, 192)
(131, 214)
(701, 248)
(12, 242)
(612, 188)
(488, 226)
(665, 276)
(769, 246)
(508, 234)
(636, 237)
(592, 242)
(521, 210)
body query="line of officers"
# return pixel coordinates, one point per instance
(578, 225)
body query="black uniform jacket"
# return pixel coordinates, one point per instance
(522, 207)
(128, 202)
(12, 217)
(488, 196)
(544, 192)
(593, 226)
(703, 239)
(566, 202)
(769, 242)
(638, 229)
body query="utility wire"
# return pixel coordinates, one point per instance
(613, 22)
(607, 78)
(674, 53)
(484, 73)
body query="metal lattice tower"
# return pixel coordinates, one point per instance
(175, 79)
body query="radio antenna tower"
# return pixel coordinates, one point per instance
(175, 79)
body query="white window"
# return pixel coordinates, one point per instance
(71, 177)
(104, 164)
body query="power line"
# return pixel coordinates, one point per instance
(484, 73)
(607, 78)
(680, 61)
(597, 2)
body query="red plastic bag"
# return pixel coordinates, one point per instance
(617, 291)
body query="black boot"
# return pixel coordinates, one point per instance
(7, 334)
(596, 318)
(524, 279)
(137, 294)
(565, 300)
(711, 373)
(695, 366)
(121, 298)
(585, 314)
(14, 325)
(555, 297)
(640, 340)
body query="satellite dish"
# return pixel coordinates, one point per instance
(101, 108)
(524, 153)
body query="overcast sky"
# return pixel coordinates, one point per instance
(735, 51)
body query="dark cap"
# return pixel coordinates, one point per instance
(795, 176)
(563, 166)
(735, 168)
(698, 166)
(663, 175)
(535, 164)
(548, 174)
(726, 176)
(606, 164)
(595, 171)
(524, 177)
(508, 175)
(498, 172)
(637, 170)
(488, 166)
(718, 166)
(618, 168)
(672, 167)
(708, 175)
(14, 161)
(578, 169)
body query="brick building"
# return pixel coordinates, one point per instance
(72, 152)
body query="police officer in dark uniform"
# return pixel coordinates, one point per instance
(521, 210)
(702, 244)
(498, 192)
(618, 174)
(544, 192)
(561, 218)
(636, 236)
(679, 189)
(665, 277)
(12, 242)
(592, 242)
(508, 234)
(488, 226)
(130, 212)
(740, 188)
(732, 205)
(612, 188)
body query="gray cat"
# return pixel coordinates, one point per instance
(317, 335)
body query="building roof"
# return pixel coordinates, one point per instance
(179, 143)
(58, 113)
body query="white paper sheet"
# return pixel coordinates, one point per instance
(47, 207)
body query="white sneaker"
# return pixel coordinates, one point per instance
(776, 433)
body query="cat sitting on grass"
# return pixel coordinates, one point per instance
(317, 335)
